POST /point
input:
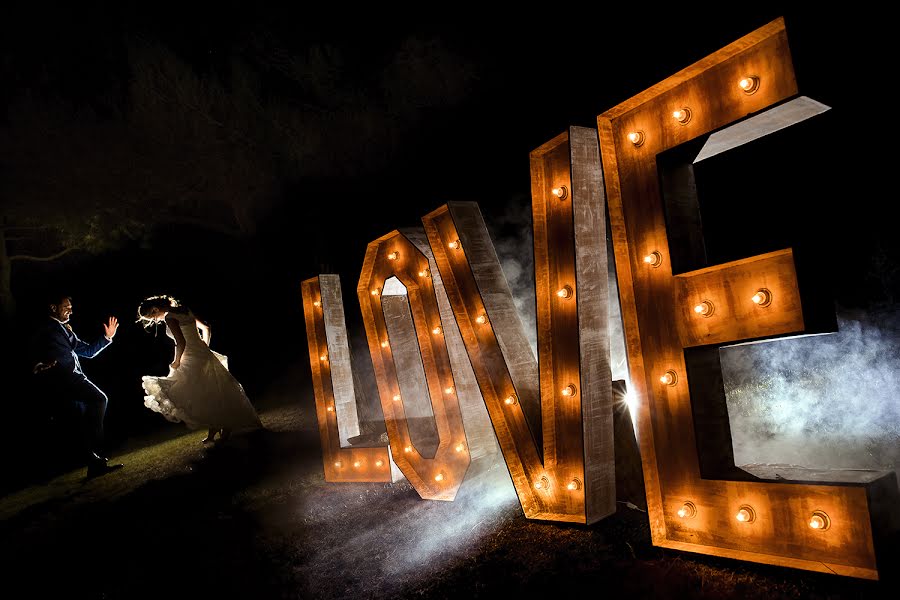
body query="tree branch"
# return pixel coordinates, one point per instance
(25, 227)
(59, 254)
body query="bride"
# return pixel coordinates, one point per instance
(199, 390)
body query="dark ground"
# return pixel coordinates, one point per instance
(254, 518)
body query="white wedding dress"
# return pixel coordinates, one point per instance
(201, 392)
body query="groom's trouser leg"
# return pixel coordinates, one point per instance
(91, 403)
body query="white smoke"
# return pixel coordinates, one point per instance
(828, 401)
(511, 232)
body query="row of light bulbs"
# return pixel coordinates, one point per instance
(762, 297)
(447, 390)
(460, 448)
(569, 392)
(749, 85)
(357, 464)
(818, 520)
(543, 484)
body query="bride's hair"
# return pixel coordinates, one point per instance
(166, 303)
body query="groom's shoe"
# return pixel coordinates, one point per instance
(100, 467)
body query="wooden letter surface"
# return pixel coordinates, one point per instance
(661, 322)
(329, 359)
(421, 368)
(556, 430)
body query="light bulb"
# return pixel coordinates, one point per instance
(384, 344)
(481, 319)
(682, 115)
(636, 137)
(670, 377)
(338, 464)
(425, 273)
(448, 389)
(573, 485)
(564, 292)
(317, 303)
(437, 330)
(379, 463)
(357, 464)
(819, 521)
(375, 292)
(439, 477)
(511, 399)
(560, 192)
(762, 297)
(749, 84)
(654, 259)
(323, 358)
(745, 514)
(542, 484)
(330, 408)
(687, 510)
(394, 255)
(459, 447)
(408, 449)
(568, 391)
(705, 309)
(454, 245)
(396, 397)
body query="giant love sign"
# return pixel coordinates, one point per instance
(450, 353)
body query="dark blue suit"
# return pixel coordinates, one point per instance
(72, 391)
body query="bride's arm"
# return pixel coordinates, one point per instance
(172, 324)
(205, 331)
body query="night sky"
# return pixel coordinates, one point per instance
(223, 153)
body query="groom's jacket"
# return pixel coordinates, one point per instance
(56, 341)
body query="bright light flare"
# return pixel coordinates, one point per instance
(682, 115)
(745, 514)
(669, 378)
(749, 84)
(654, 259)
(560, 192)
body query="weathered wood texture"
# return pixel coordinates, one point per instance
(572, 457)
(483, 448)
(404, 345)
(660, 323)
(466, 271)
(394, 255)
(570, 246)
(332, 379)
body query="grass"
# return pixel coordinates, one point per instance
(254, 518)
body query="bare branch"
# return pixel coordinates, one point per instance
(25, 227)
(59, 254)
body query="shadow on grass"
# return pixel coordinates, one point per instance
(254, 518)
(186, 531)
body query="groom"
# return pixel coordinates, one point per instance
(58, 349)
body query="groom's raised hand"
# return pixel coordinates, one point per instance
(109, 329)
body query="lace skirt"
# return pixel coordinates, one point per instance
(200, 393)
